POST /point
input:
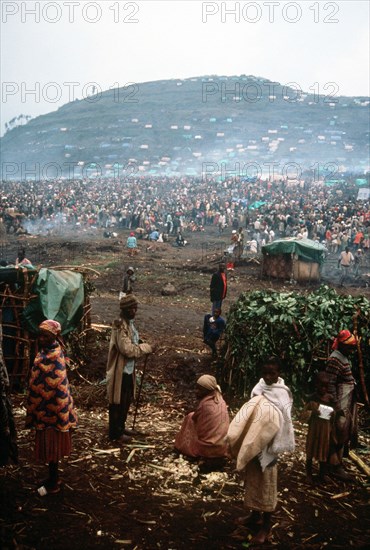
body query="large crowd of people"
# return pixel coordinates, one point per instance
(263, 209)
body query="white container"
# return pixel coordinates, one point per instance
(42, 491)
(325, 412)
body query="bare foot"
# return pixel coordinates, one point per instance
(260, 538)
(253, 520)
(321, 480)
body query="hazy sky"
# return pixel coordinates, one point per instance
(114, 42)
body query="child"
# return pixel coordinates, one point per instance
(319, 426)
(213, 327)
(261, 430)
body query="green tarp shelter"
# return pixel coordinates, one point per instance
(59, 296)
(307, 250)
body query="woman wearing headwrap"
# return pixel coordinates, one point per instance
(342, 387)
(124, 348)
(50, 408)
(203, 431)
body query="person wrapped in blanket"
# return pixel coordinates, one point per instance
(8, 434)
(50, 407)
(261, 430)
(203, 431)
(342, 387)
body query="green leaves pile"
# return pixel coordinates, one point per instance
(297, 327)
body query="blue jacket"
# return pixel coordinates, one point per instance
(212, 330)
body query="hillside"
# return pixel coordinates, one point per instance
(194, 125)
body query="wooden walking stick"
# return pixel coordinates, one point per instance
(139, 392)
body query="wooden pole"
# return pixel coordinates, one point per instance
(360, 463)
(139, 392)
(360, 359)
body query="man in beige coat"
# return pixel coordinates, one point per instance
(124, 348)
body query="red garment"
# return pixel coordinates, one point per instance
(344, 337)
(52, 445)
(223, 276)
(203, 431)
(358, 238)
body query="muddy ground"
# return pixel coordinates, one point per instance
(143, 496)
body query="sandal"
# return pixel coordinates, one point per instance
(49, 490)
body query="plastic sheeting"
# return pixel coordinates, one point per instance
(59, 296)
(307, 250)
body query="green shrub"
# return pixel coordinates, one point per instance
(297, 327)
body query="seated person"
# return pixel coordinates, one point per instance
(213, 326)
(180, 241)
(203, 431)
(21, 260)
(154, 235)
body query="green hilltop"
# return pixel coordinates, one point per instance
(181, 126)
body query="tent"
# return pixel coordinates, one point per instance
(363, 194)
(291, 258)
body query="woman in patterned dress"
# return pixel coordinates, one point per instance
(50, 408)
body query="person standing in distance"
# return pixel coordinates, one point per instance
(344, 263)
(128, 281)
(218, 287)
(131, 244)
(124, 348)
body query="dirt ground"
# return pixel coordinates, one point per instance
(143, 496)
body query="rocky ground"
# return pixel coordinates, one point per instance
(142, 495)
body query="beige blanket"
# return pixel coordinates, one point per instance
(281, 397)
(252, 430)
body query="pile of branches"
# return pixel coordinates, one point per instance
(298, 328)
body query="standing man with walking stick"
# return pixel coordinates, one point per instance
(124, 348)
